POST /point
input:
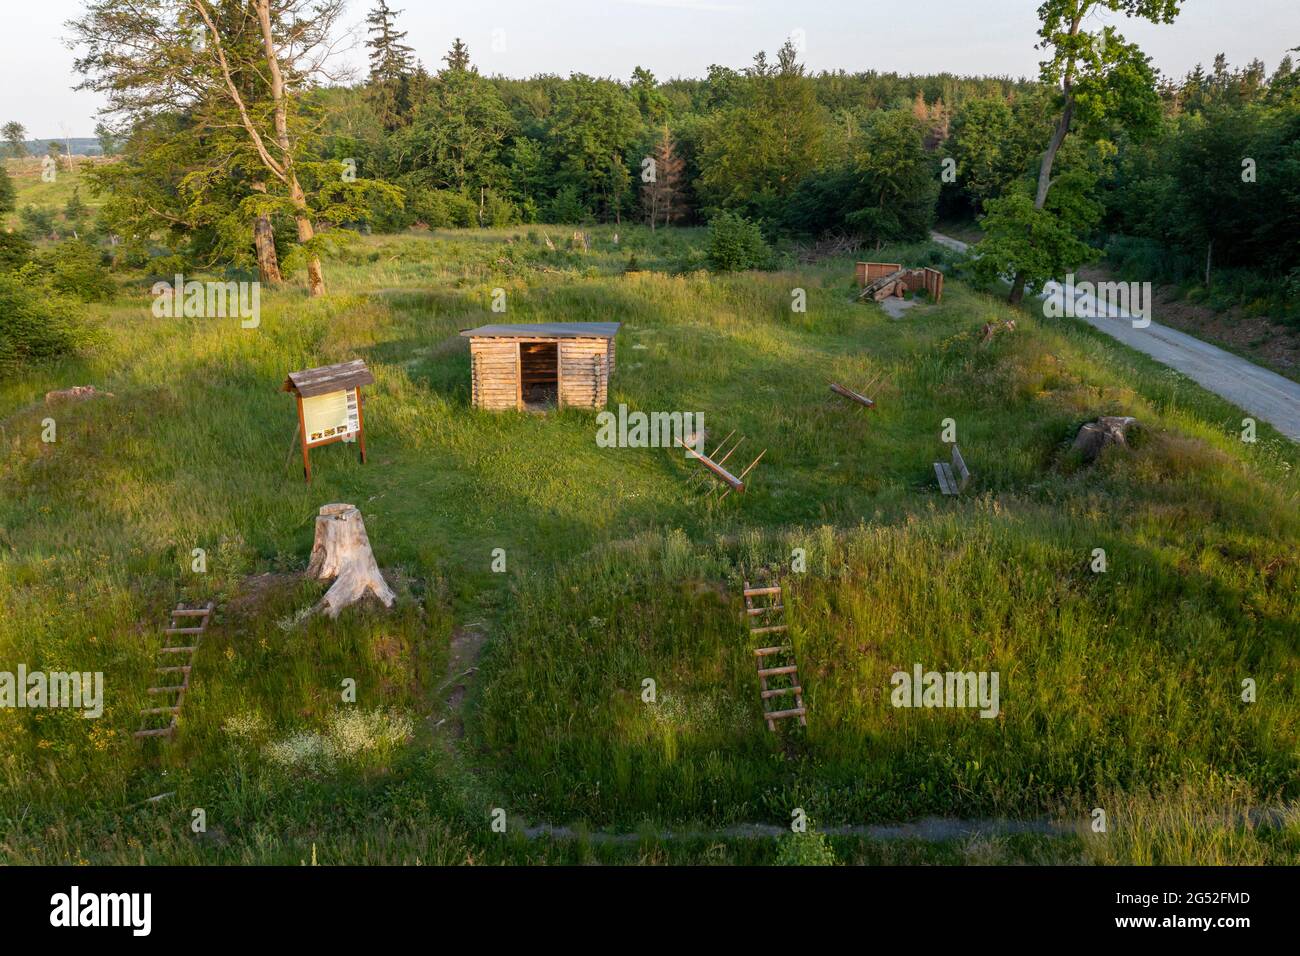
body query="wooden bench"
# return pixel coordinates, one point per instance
(952, 478)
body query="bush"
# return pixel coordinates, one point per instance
(16, 250)
(567, 207)
(440, 208)
(38, 221)
(805, 849)
(76, 268)
(36, 321)
(692, 260)
(499, 211)
(735, 243)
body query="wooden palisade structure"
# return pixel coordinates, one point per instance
(784, 697)
(329, 406)
(536, 367)
(176, 657)
(880, 280)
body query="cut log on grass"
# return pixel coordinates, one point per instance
(342, 552)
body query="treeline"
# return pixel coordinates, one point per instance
(794, 152)
(239, 148)
(1214, 193)
(798, 151)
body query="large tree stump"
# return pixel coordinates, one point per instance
(342, 552)
(1105, 431)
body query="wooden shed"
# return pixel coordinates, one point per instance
(536, 367)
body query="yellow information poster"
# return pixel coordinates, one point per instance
(331, 416)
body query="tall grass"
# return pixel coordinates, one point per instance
(618, 571)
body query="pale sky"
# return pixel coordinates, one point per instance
(681, 38)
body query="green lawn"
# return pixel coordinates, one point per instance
(1117, 689)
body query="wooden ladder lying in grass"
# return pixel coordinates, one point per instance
(776, 662)
(189, 623)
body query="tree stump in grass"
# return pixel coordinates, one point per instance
(342, 552)
(1105, 431)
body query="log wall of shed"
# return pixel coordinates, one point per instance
(584, 372)
(584, 367)
(494, 367)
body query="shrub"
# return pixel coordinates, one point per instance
(567, 207)
(38, 221)
(8, 195)
(692, 260)
(76, 268)
(15, 251)
(735, 243)
(805, 849)
(37, 322)
(441, 208)
(499, 211)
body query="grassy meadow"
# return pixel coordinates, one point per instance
(1120, 690)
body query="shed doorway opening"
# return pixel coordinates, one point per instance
(539, 374)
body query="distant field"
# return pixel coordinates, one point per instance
(32, 190)
(1119, 689)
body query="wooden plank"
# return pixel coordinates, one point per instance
(183, 630)
(176, 650)
(155, 732)
(192, 611)
(959, 464)
(782, 714)
(768, 630)
(754, 592)
(769, 694)
(768, 651)
(559, 373)
(173, 670)
(328, 378)
(721, 473)
(753, 612)
(302, 434)
(773, 671)
(944, 473)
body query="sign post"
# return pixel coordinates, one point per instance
(329, 406)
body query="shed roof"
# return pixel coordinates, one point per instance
(546, 330)
(328, 378)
